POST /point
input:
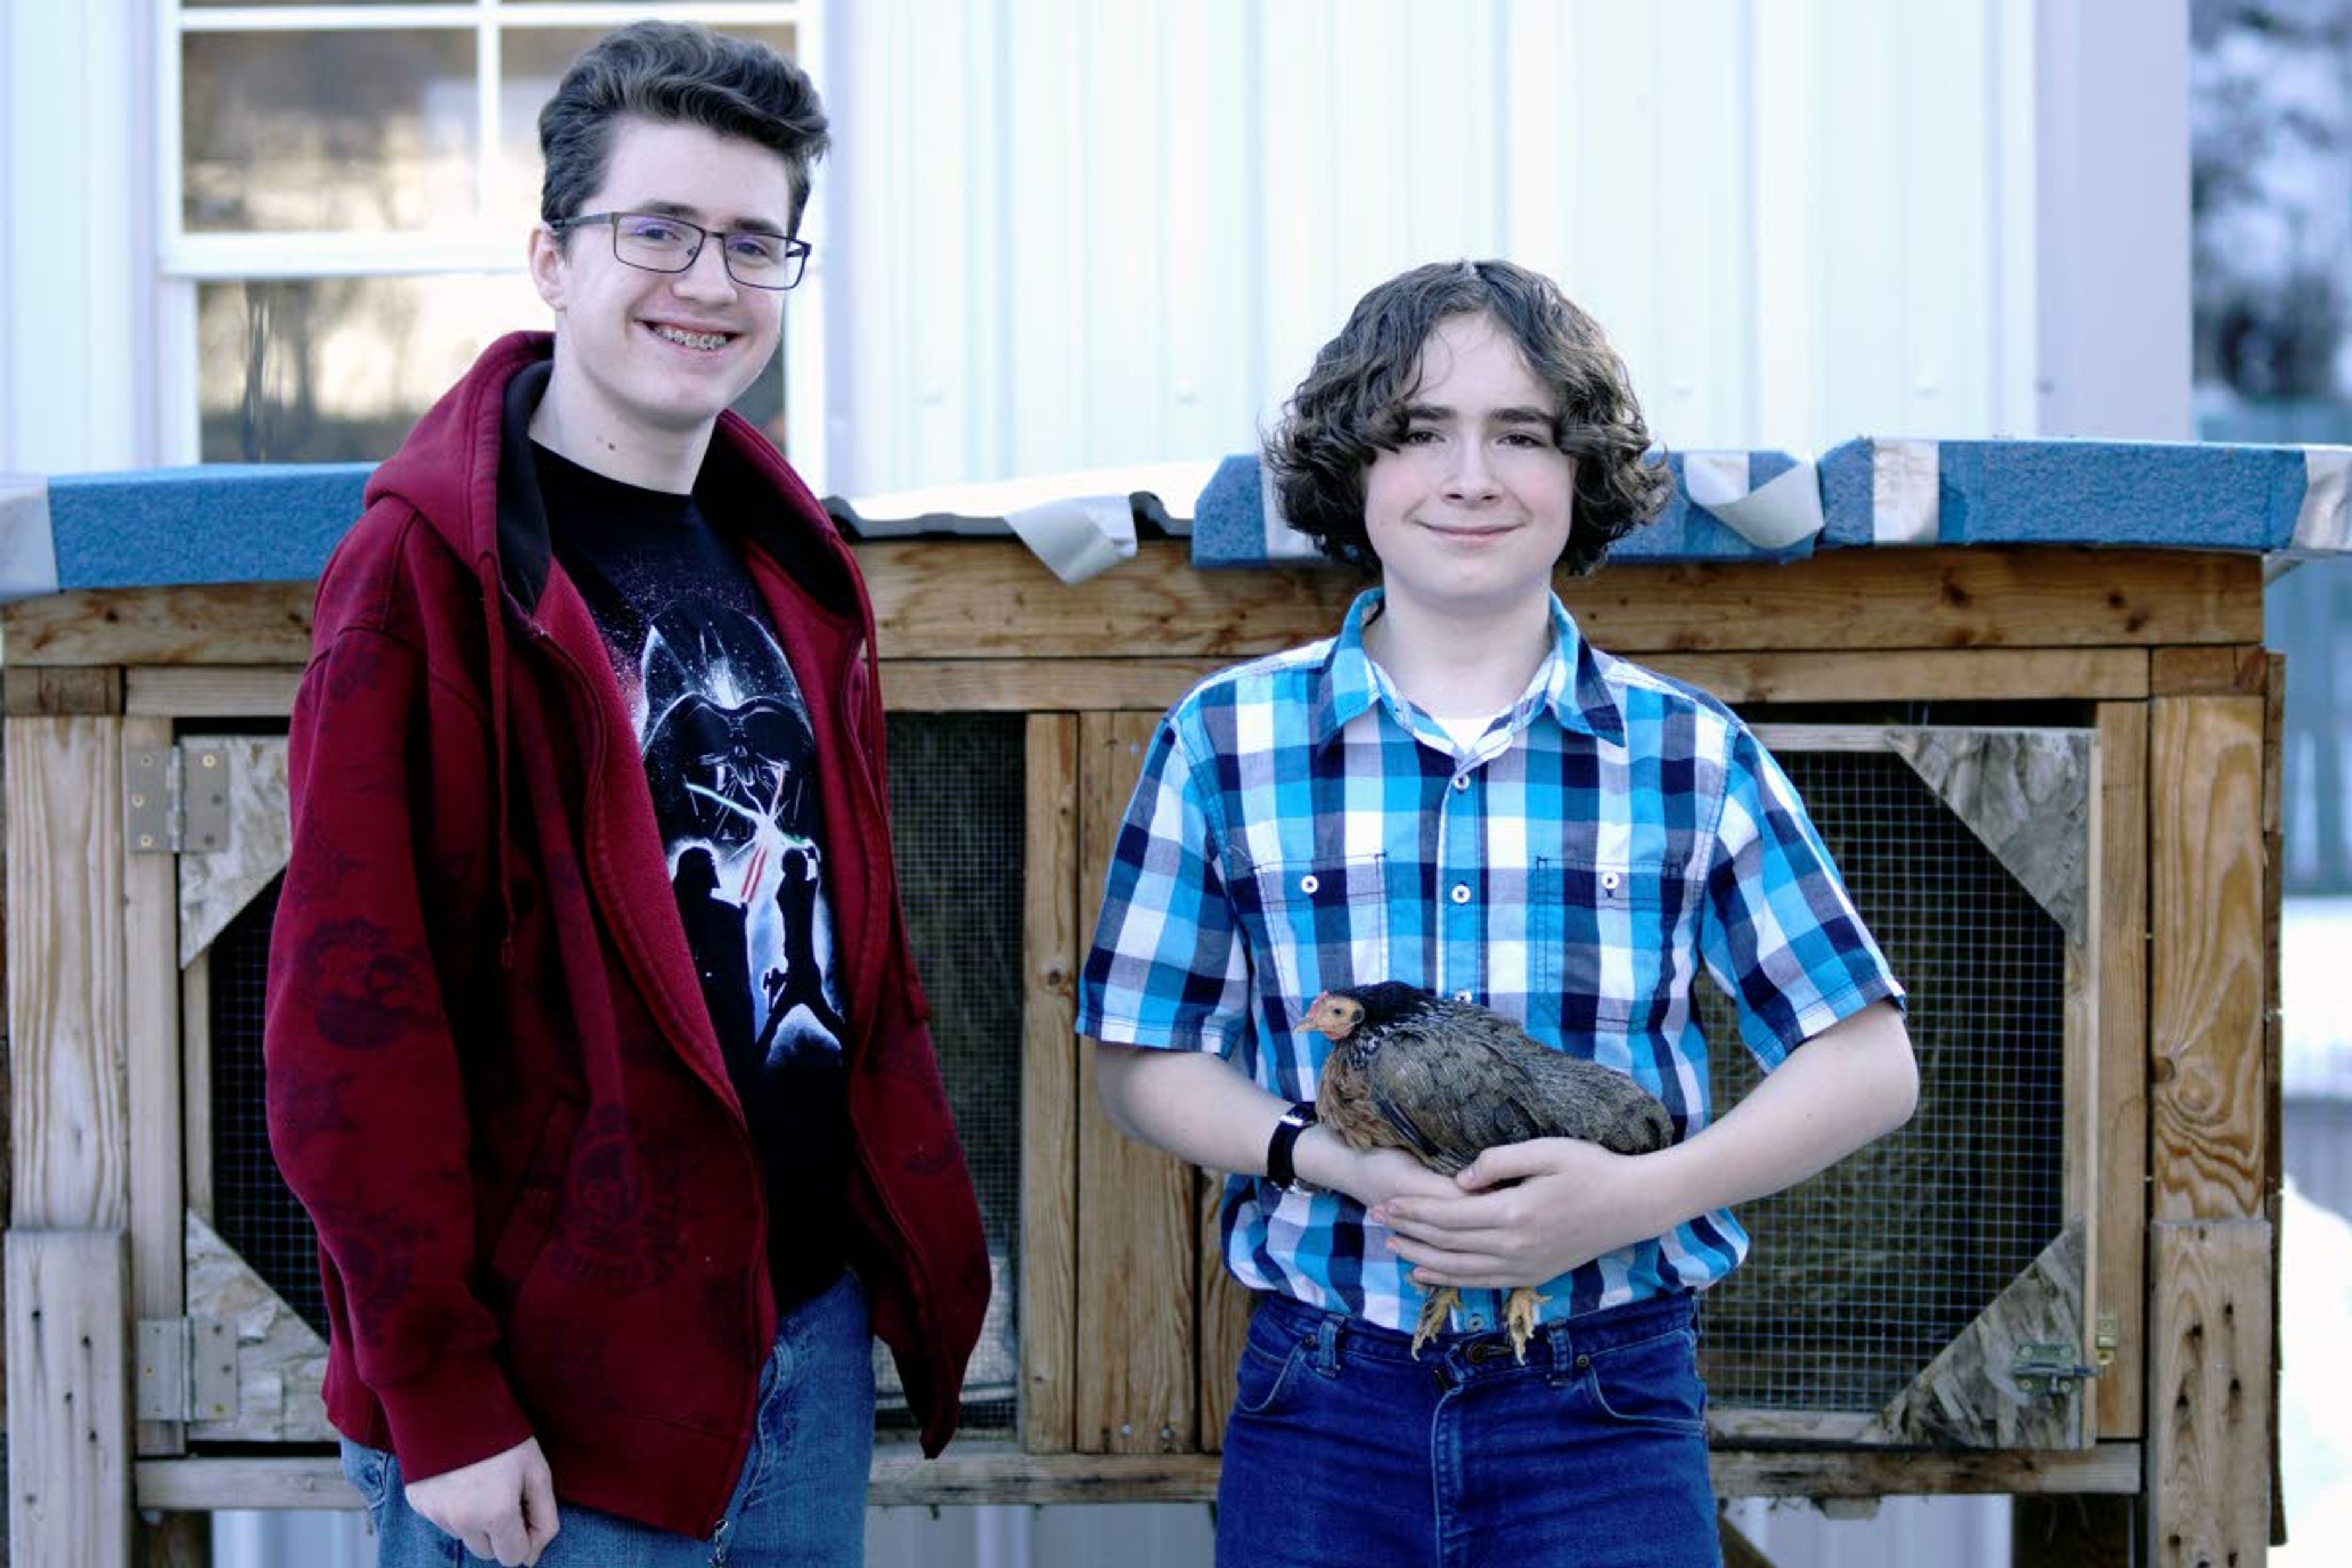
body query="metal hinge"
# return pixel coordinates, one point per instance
(2050, 1369)
(176, 798)
(187, 1369)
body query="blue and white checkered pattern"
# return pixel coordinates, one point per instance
(1299, 826)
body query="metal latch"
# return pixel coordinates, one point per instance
(2103, 1342)
(2051, 1368)
(187, 1370)
(176, 798)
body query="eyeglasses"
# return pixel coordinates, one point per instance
(659, 243)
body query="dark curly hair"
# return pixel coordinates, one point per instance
(673, 73)
(1351, 406)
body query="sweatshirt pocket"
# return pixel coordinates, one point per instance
(532, 1216)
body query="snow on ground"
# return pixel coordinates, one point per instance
(2315, 1423)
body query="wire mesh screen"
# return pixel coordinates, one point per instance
(252, 1209)
(1859, 1277)
(956, 793)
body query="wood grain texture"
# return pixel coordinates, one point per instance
(2213, 669)
(1141, 678)
(1967, 1396)
(2207, 995)
(151, 975)
(2119, 923)
(1049, 1088)
(975, 1470)
(68, 1398)
(2209, 1394)
(69, 1115)
(204, 691)
(2274, 694)
(60, 691)
(1225, 1317)
(280, 1360)
(1137, 1340)
(992, 599)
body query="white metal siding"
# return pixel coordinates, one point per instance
(1073, 234)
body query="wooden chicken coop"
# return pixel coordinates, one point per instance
(2049, 769)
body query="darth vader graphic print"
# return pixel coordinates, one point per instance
(731, 761)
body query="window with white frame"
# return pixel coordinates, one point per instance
(348, 191)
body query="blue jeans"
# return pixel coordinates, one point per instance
(1342, 1448)
(801, 1498)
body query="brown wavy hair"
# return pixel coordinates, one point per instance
(674, 73)
(1351, 406)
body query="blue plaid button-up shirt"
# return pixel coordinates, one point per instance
(1300, 825)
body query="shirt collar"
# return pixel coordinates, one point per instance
(1567, 684)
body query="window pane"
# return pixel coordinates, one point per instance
(333, 370)
(531, 61)
(329, 131)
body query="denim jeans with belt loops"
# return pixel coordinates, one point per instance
(1343, 1447)
(800, 1500)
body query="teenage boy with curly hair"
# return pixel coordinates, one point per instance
(1459, 791)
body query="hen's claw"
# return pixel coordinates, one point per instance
(1436, 1315)
(1520, 1312)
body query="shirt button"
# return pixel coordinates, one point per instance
(1609, 881)
(1462, 997)
(1461, 892)
(1461, 781)
(1310, 884)
(1477, 1319)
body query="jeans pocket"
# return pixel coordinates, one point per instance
(1267, 1382)
(1652, 1383)
(370, 1472)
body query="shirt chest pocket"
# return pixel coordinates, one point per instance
(1320, 924)
(1604, 944)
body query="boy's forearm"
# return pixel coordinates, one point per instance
(1842, 1089)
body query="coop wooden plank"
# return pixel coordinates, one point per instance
(1138, 1328)
(206, 691)
(2077, 1531)
(152, 1058)
(2119, 924)
(1049, 1088)
(2219, 669)
(196, 1078)
(1038, 686)
(975, 1470)
(211, 623)
(69, 1397)
(1224, 1318)
(2208, 1460)
(2273, 693)
(68, 1114)
(975, 600)
(1992, 674)
(60, 691)
(2207, 995)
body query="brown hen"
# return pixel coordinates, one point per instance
(1444, 1080)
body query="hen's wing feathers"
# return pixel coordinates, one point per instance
(1453, 1092)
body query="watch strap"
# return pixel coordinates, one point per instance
(1279, 1149)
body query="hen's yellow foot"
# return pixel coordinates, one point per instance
(1520, 1311)
(1436, 1314)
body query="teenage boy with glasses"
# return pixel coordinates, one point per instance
(1458, 792)
(594, 1047)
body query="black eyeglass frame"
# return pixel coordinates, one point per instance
(796, 250)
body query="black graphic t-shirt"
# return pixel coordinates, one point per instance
(731, 759)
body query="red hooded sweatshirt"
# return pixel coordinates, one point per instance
(492, 1080)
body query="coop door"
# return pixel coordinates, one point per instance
(256, 1312)
(1933, 1290)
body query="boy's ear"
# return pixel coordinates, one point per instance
(550, 269)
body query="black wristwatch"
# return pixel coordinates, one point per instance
(1279, 1170)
